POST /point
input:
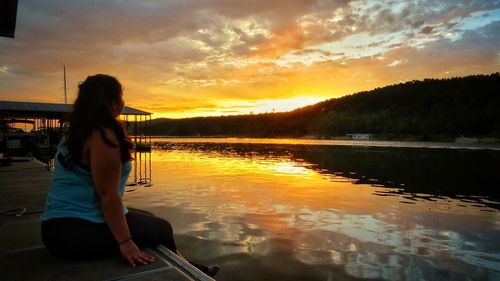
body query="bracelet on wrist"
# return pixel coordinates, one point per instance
(125, 241)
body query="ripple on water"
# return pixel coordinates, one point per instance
(301, 207)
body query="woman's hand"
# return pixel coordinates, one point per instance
(133, 254)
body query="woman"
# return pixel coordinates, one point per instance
(84, 214)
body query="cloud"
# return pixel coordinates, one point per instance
(187, 50)
(427, 30)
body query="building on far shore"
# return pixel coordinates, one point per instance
(359, 136)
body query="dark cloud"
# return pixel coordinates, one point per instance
(61, 27)
(476, 51)
(474, 46)
(427, 30)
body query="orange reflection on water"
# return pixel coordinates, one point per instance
(261, 183)
(263, 204)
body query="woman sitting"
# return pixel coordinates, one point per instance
(84, 214)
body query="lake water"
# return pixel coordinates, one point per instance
(296, 210)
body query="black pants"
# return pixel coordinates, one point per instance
(80, 239)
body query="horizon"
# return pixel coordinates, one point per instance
(186, 59)
(328, 99)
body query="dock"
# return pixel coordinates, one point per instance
(24, 183)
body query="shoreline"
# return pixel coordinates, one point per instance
(326, 142)
(439, 139)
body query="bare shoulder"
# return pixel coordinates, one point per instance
(104, 137)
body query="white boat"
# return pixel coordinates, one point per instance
(462, 139)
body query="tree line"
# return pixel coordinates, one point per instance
(425, 109)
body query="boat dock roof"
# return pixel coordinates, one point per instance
(49, 110)
(24, 184)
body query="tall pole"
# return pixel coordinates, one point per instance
(65, 93)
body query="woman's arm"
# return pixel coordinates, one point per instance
(105, 165)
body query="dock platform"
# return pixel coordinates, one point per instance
(24, 184)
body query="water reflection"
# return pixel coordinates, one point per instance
(414, 174)
(141, 168)
(302, 213)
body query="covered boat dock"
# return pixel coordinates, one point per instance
(34, 129)
(41, 125)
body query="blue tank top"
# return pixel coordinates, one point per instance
(73, 194)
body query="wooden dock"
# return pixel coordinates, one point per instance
(23, 187)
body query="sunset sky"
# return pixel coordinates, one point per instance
(184, 58)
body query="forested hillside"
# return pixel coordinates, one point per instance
(425, 109)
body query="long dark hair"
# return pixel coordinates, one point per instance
(91, 111)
